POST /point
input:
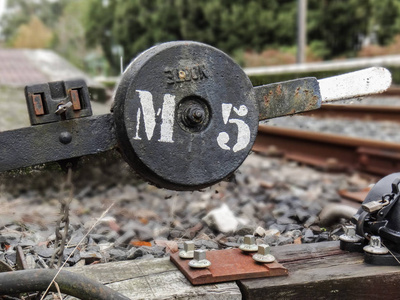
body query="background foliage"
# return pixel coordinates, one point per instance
(253, 31)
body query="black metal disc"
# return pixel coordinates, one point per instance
(185, 115)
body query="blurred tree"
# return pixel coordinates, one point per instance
(336, 27)
(33, 35)
(20, 12)
(69, 34)
(385, 20)
(229, 25)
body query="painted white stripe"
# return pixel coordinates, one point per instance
(355, 84)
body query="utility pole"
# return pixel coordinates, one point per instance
(301, 30)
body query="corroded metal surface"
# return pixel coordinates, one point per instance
(56, 141)
(288, 98)
(228, 265)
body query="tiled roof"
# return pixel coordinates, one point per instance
(20, 67)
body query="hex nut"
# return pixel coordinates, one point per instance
(188, 250)
(350, 235)
(375, 246)
(249, 244)
(199, 260)
(263, 254)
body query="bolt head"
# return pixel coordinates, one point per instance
(249, 239)
(375, 241)
(65, 137)
(264, 254)
(249, 244)
(188, 250)
(188, 246)
(375, 246)
(199, 261)
(199, 254)
(350, 235)
(350, 230)
(264, 249)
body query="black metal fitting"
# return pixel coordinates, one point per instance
(57, 101)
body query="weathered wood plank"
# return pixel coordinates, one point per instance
(340, 275)
(155, 279)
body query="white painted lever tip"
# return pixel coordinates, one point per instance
(365, 82)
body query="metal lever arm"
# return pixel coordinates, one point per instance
(300, 95)
(56, 141)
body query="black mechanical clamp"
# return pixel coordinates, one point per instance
(185, 115)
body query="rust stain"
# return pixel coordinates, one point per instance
(266, 100)
(297, 92)
(279, 90)
(38, 104)
(76, 103)
(312, 104)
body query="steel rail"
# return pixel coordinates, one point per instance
(71, 284)
(330, 151)
(362, 112)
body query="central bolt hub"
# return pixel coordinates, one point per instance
(194, 116)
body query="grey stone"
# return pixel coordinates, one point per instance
(124, 239)
(175, 233)
(11, 256)
(118, 254)
(43, 251)
(308, 236)
(245, 230)
(284, 221)
(291, 227)
(209, 244)
(280, 227)
(98, 237)
(284, 240)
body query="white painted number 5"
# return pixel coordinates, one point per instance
(243, 137)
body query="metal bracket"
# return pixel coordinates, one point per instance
(57, 101)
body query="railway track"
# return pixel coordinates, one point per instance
(329, 151)
(361, 112)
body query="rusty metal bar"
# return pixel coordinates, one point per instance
(330, 151)
(287, 98)
(56, 141)
(364, 112)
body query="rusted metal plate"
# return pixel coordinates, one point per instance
(76, 103)
(228, 265)
(38, 104)
(287, 98)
